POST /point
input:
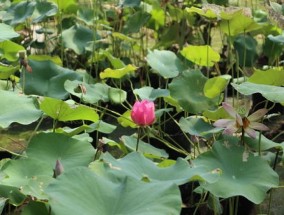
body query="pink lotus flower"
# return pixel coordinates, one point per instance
(237, 123)
(143, 113)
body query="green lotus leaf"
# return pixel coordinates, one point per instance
(127, 195)
(145, 148)
(94, 92)
(165, 63)
(47, 79)
(12, 194)
(271, 93)
(273, 76)
(67, 7)
(220, 113)
(122, 37)
(50, 147)
(117, 73)
(55, 59)
(276, 39)
(215, 86)
(86, 15)
(62, 111)
(9, 50)
(150, 93)
(264, 144)
(130, 3)
(115, 62)
(187, 89)
(116, 96)
(7, 71)
(2, 203)
(201, 55)
(135, 22)
(251, 177)
(206, 13)
(125, 120)
(7, 32)
(34, 207)
(30, 176)
(19, 12)
(246, 46)
(17, 108)
(102, 127)
(77, 38)
(71, 132)
(196, 126)
(135, 165)
(43, 10)
(239, 23)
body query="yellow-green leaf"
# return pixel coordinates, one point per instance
(201, 55)
(117, 73)
(62, 111)
(126, 121)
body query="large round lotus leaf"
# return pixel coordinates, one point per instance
(239, 23)
(145, 148)
(136, 21)
(43, 10)
(77, 37)
(187, 89)
(271, 93)
(150, 93)
(165, 63)
(47, 79)
(30, 176)
(7, 32)
(251, 177)
(86, 15)
(209, 13)
(273, 76)
(81, 191)
(19, 12)
(245, 46)
(9, 50)
(277, 39)
(17, 108)
(264, 144)
(50, 147)
(201, 55)
(137, 166)
(14, 196)
(62, 111)
(197, 126)
(116, 95)
(55, 58)
(216, 85)
(94, 92)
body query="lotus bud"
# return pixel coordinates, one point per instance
(143, 113)
(59, 169)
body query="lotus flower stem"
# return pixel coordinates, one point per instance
(138, 137)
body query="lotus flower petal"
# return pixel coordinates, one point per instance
(258, 126)
(250, 132)
(257, 115)
(230, 129)
(223, 123)
(230, 110)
